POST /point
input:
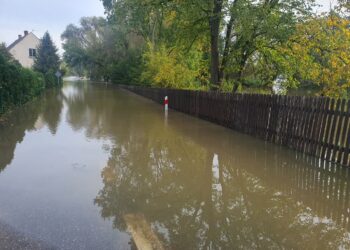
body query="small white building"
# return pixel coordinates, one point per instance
(24, 49)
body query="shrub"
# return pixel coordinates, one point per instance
(17, 84)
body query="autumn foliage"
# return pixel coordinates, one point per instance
(240, 45)
(320, 50)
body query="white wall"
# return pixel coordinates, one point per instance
(21, 50)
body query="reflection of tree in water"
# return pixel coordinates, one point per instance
(24, 118)
(149, 181)
(246, 197)
(90, 107)
(196, 213)
(12, 130)
(193, 203)
(51, 113)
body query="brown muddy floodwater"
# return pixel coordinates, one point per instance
(92, 166)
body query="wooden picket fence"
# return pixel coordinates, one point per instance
(317, 126)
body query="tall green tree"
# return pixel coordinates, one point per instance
(47, 60)
(47, 57)
(101, 50)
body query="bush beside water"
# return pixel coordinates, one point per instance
(17, 84)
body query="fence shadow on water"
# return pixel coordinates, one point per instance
(318, 126)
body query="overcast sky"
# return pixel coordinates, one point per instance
(53, 16)
(43, 15)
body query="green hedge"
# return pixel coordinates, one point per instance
(17, 84)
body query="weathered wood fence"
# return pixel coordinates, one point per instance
(317, 126)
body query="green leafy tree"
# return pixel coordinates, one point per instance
(102, 50)
(84, 47)
(234, 35)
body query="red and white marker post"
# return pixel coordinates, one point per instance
(166, 103)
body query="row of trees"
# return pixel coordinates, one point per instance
(19, 85)
(233, 45)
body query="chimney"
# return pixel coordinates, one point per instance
(19, 36)
(25, 32)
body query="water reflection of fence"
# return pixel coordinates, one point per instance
(318, 126)
(324, 186)
(321, 185)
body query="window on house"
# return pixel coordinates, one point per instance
(32, 52)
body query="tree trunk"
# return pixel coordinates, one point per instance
(239, 78)
(214, 23)
(226, 49)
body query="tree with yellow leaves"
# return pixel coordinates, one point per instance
(320, 53)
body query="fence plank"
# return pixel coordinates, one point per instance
(347, 143)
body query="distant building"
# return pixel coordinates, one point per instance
(24, 49)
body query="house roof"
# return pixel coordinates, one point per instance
(19, 40)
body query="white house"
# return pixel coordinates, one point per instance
(24, 49)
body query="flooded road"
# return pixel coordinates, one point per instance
(95, 167)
